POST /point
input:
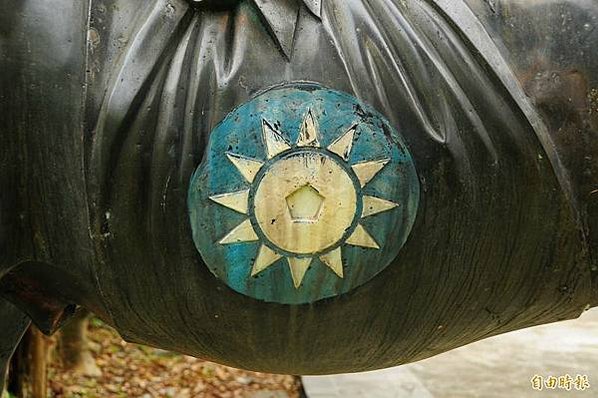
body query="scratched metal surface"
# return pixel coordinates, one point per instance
(550, 46)
(498, 244)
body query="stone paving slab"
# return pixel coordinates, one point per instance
(502, 366)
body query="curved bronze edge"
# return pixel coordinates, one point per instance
(32, 296)
(48, 295)
(13, 324)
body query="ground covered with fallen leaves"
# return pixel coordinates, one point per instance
(131, 370)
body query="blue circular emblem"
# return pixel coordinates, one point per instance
(304, 193)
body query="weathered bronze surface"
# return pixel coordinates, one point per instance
(106, 111)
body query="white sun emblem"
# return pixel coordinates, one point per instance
(304, 203)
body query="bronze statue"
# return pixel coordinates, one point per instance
(298, 186)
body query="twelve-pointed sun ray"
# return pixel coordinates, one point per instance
(298, 268)
(247, 167)
(373, 206)
(275, 142)
(237, 201)
(362, 238)
(242, 233)
(265, 258)
(343, 145)
(366, 171)
(334, 261)
(309, 132)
